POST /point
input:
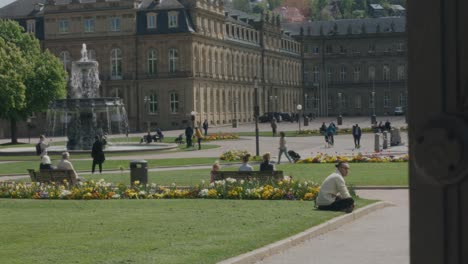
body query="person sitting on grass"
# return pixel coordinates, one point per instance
(245, 164)
(333, 194)
(214, 169)
(266, 165)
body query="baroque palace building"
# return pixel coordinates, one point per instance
(353, 66)
(169, 58)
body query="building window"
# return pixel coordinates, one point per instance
(371, 73)
(173, 22)
(357, 73)
(402, 99)
(330, 102)
(357, 102)
(343, 73)
(89, 25)
(115, 24)
(63, 26)
(65, 58)
(31, 26)
(151, 21)
(371, 100)
(117, 93)
(371, 47)
(386, 72)
(153, 104)
(174, 103)
(152, 62)
(315, 50)
(173, 58)
(400, 46)
(116, 64)
(386, 99)
(316, 74)
(342, 49)
(329, 49)
(329, 74)
(401, 72)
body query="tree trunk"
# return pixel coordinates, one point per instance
(14, 135)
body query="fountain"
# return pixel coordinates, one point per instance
(84, 114)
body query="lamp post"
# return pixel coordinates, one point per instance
(147, 100)
(256, 114)
(28, 121)
(299, 108)
(373, 118)
(340, 118)
(234, 120)
(306, 102)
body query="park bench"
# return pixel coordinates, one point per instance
(57, 176)
(249, 175)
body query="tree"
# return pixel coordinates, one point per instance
(29, 78)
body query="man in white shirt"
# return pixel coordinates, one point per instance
(65, 164)
(333, 194)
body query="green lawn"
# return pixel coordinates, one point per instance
(147, 231)
(361, 174)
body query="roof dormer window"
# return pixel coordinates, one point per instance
(31, 26)
(151, 20)
(173, 21)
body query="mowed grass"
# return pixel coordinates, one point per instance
(361, 174)
(147, 231)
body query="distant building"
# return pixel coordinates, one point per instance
(289, 14)
(167, 58)
(397, 10)
(376, 10)
(353, 67)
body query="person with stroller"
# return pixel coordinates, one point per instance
(283, 148)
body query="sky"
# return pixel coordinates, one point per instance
(5, 2)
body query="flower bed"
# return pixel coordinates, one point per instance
(325, 158)
(287, 189)
(220, 136)
(236, 155)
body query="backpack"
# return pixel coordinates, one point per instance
(38, 149)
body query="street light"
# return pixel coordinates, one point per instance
(373, 118)
(256, 114)
(340, 118)
(234, 120)
(28, 121)
(147, 100)
(299, 108)
(306, 107)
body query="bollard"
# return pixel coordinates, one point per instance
(306, 121)
(340, 120)
(234, 123)
(373, 119)
(395, 137)
(385, 140)
(377, 142)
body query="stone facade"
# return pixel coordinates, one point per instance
(350, 63)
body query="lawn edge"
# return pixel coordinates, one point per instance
(279, 246)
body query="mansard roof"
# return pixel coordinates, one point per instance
(161, 5)
(343, 27)
(21, 9)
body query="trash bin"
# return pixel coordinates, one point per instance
(376, 142)
(340, 120)
(385, 140)
(139, 171)
(395, 137)
(373, 119)
(306, 121)
(234, 123)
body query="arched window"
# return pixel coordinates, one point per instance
(65, 58)
(386, 72)
(371, 73)
(153, 104)
(91, 54)
(173, 58)
(116, 64)
(152, 62)
(174, 102)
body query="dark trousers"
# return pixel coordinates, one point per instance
(206, 131)
(199, 143)
(189, 141)
(338, 205)
(94, 166)
(357, 141)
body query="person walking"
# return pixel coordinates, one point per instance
(97, 153)
(41, 146)
(188, 136)
(283, 148)
(274, 126)
(205, 127)
(199, 136)
(266, 165)
(357, 133)
(333, 194)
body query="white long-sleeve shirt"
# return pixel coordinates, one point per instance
(334, 185)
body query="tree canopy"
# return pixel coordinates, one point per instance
(29, 77)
